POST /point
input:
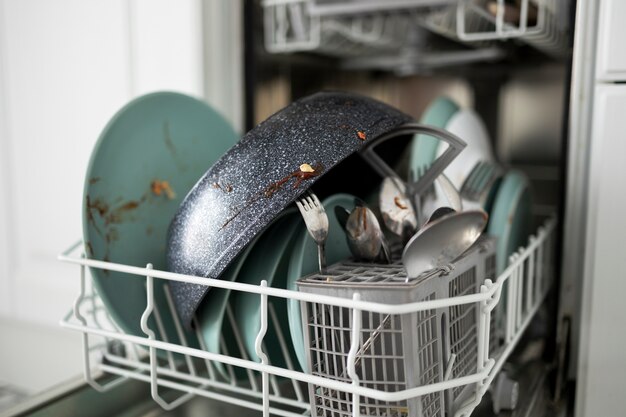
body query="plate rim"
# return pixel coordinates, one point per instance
(96, 273)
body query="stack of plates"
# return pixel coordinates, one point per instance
(510, 213)
(281, 254)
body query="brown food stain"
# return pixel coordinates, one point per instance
(100, 206)
(94, 180)
(397, 202)
(364, 217)
(167, 138)
(117, 215)
(298, 174)
(159, 188)
(274, 187)
(227, 188)
(112, 235)
(149, 230)
(89, 248)
(169, 144)
(361, 135)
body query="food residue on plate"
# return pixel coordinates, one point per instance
(398, 203)
(159, 187)
(89, 248)
(361, 135)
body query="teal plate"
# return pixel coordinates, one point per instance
(147, 158)
(268, 261)
(212, 312)
(510, 217)
(423, 150)
(304, 262)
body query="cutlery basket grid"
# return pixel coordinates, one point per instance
(395, 351)
(443, 383)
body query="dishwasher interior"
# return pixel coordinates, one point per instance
(508, 61)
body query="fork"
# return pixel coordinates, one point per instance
(316, 222)
(478, 183)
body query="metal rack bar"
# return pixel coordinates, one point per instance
(526, 278)
(295, 295)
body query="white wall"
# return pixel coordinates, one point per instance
(66, 66)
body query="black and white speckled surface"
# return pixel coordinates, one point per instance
(235, 199)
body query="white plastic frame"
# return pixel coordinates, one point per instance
(527, 267)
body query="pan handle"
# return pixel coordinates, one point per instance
(456, 145)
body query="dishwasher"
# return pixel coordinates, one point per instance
(484, 334)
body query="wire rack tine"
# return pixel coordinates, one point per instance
(179, 328)
(154, 386)
(207, 362)
(85, 342)
(284, 349)
(242, 349)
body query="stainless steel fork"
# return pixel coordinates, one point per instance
(316, 222)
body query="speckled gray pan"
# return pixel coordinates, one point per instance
(261, 175)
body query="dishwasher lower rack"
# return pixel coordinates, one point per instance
(396, 351)
(279, 390)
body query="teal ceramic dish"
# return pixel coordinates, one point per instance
(212, 313)
(423, 150)
(304, 261)
(269, 260)
(146, 160)
(510, 217)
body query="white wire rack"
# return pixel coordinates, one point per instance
(277, 390)
(382, 28)
(546, 28)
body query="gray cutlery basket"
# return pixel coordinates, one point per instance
(396, 352)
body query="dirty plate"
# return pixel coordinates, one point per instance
(147, 158)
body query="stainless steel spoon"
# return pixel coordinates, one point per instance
(442, 241)
(441, 193)
(396, 209)
(364, 235)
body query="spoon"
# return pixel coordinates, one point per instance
(441, 193)
(364, 235)
(439, 213)
(442, 241)
(396, 209)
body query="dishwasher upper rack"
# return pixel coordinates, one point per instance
(188, 370)
(390, 29)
